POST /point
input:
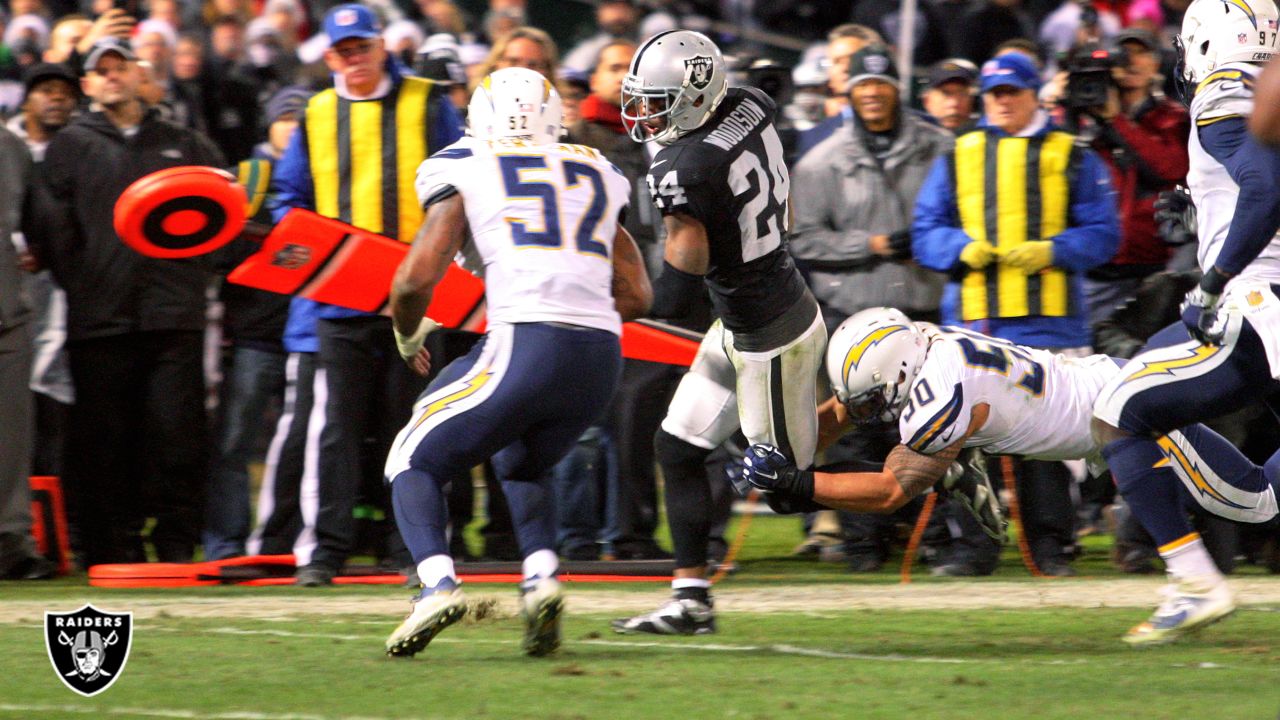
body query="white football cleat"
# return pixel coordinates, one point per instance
(434, 609)
(541, 603)
(1190, 604)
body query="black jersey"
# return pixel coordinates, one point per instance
(731, 176)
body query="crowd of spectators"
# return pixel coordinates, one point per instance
(153, 384)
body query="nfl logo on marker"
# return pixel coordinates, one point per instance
(1243, 38)
(88, 647)
(345, 17)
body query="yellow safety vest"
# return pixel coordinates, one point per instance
(1008, 192)
(365, 153)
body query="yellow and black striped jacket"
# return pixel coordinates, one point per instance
(1011, 190)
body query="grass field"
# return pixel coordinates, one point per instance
(798, 639)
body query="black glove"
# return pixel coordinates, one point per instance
(1176, 217)
(900, 245)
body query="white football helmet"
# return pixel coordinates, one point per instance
(676, 81)
(515, 103)
(872, 359)
(1216, 32)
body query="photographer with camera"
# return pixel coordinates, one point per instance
(1112, 99)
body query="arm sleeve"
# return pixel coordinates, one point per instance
(1256, 170)
(1093, 232)
(936, 236)
(815, 238)
(291, 185)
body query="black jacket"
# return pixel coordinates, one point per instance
(111, 289)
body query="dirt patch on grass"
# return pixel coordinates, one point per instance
(500, 601)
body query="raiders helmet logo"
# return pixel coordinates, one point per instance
(292, 256)
(88, 647)
(698, 70)
(876, 64)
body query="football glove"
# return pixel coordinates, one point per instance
(1030, 257)
(1200, 309)
(978, 254)
(409, 345)
(1176, 216)
(783, 486)
(966, 483)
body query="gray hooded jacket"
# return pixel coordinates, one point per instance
(842, 196)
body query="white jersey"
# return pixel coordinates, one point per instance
(542, 220)
(1041, 403)
(1226, 92)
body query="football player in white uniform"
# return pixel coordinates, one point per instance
(541, 221)
(950, 389)
(1226, 352)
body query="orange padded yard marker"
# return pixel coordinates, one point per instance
(1015, 515)
(917, 533)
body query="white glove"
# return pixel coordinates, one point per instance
(411, 344)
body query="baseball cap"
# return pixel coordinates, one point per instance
(872, 62)
(38, 73)
(952, 70)
(350, 21)
(1013, 70)
(1143, 37)
(107, 45)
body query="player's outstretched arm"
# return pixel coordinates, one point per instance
(632, 294)
(438, 241)
(906, 475)
(685, 260)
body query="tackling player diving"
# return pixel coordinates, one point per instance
(949, 389)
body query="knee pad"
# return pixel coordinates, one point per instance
(672, 451)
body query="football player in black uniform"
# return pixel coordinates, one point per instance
(722, 186)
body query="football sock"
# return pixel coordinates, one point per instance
(1188, 557)
(422, 515)
(688, 497)
(541, 564)
(436, 568)
(1150, 487)
(532, 513)
(692, 589)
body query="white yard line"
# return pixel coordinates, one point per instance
(98, 710)
(696, 646)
